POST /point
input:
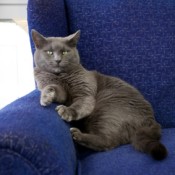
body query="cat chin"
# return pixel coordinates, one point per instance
(52, 70)
(57, 70)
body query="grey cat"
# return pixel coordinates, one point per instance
(111, 112)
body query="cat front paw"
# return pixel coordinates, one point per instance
(66, 113)
(47, 96)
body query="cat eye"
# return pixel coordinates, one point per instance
(64, 52)
(49, 52)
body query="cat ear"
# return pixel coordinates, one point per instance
(72, 40)
(38, 39)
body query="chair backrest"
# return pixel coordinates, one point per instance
(131, 39)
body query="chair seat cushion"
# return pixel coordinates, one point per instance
(126, 160)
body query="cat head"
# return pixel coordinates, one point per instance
(55, 54)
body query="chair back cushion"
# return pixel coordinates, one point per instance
(131, 39)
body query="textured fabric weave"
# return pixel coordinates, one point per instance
(34, 140)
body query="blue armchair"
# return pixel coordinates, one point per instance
(132, 39)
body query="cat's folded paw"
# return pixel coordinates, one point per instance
(76, 134)
(66, 113)
(47, 96)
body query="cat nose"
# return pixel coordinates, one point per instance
(58, 60)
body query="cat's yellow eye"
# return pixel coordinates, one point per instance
(65, 52)
(49, 52)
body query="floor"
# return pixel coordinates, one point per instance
(16, 64)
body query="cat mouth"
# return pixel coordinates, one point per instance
(52, 68)
(54, 64)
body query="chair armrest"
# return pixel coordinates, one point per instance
(34, 140)
(47, 17)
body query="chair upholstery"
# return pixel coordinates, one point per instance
(34, 140)
(131, 39)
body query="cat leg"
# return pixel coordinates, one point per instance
(79, 109)
(52, 93)
(93, 141)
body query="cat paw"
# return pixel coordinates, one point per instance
(66, 113)
(76, 134)
(47, 96)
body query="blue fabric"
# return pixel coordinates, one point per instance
(34, 140)
(11, 163)
(127, 161)
(132, 39)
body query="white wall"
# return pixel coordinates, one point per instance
(10, 9)
(16, 63)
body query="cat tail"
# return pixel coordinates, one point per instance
(147, 139)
